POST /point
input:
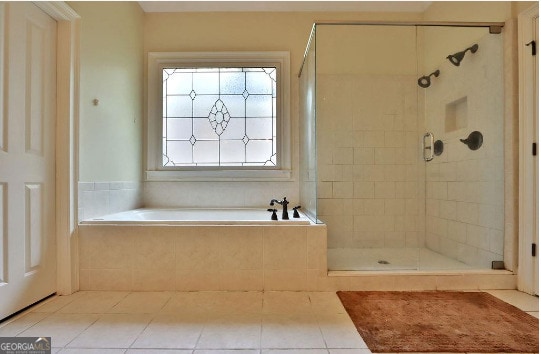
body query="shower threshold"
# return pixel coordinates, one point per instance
(391, 259)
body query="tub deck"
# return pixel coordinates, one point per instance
(193, 216)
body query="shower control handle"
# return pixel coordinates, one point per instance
(428, 147)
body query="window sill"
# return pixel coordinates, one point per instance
(219, 176)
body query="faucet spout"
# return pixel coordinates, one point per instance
(275, 201)
(284, 202)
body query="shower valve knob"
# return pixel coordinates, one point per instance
(474, 140)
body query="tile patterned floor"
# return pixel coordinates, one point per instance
(202, 322)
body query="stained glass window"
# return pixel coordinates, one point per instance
(219, 116)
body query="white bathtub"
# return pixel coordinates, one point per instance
(229, 216)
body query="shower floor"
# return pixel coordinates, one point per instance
(380, 259)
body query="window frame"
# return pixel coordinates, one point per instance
(157, 61)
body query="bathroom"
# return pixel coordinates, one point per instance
(110, 162)
(111, 159)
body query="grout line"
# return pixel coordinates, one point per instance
(98, 317)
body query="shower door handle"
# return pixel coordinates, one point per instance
(428, 146)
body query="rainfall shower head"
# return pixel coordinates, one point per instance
(424, 81)
(456, 58)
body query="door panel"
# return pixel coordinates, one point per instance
(27, 162)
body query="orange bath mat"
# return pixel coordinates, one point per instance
(440, 321)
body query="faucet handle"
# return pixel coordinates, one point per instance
(295, 212)
(273, 216)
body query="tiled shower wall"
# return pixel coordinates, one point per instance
(370, 175)
(464, 206)
(101, 198)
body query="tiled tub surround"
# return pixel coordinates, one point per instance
(191, 257)
(102, 198)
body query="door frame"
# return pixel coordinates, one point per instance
(527, 215)
(68, 35)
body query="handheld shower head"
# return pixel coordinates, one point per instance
(456, 58)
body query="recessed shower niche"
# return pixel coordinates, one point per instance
(363, 116)
(456, 115)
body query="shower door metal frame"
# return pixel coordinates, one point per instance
(493, 27)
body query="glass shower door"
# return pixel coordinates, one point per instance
(370, 186)
(463, 109)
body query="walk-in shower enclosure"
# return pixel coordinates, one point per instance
(374, 101)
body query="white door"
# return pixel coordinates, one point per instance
(27, 157)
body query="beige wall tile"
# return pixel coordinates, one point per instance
(107, 248)
(242, 280)
(316, 248)
(197, 280)
(394, 207)
(374, 223)
(111, 279)
(154, 248)
(241, 247)
(384, 190)
(284, 248)
(153, 279)
(363, 156)
(379, 283)
(198, 248)
(385, 156)
(290, 280)
(363, 189)
(374, 207)
(342, 156)
(416, 283)
(84, 279)
(342, 189)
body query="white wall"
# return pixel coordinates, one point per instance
(110, 133)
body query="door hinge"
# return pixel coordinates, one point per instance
(534, 149)
(534, 47)
(534, 250)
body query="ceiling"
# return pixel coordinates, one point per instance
(284, 6)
